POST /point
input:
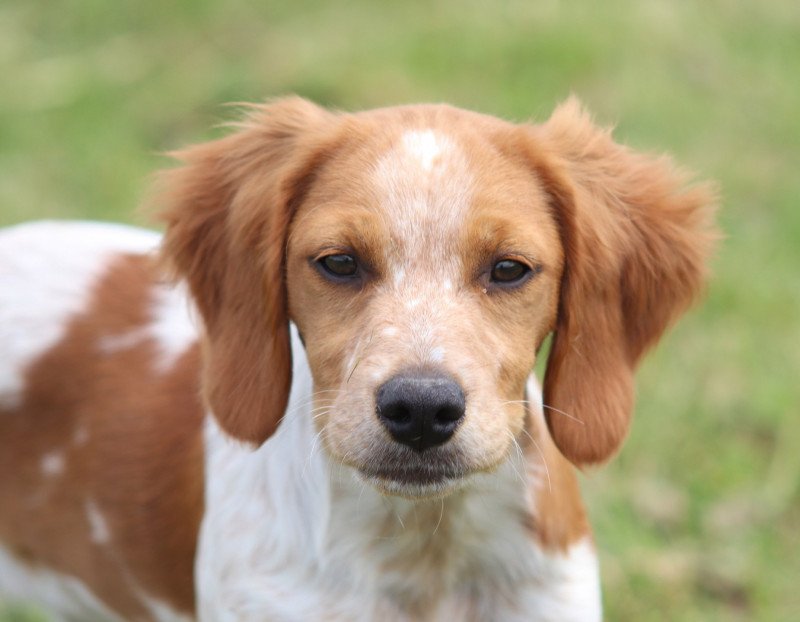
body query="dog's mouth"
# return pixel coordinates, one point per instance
(413, 485)
(426, 475)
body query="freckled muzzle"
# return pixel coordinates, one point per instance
(420, 409)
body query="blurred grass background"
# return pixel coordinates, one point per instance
(699, 517)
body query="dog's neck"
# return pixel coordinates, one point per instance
(298, 534)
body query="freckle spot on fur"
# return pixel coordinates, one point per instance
(437, 354)
(110, 344)
(81, 436)
(100, 533)
(53, 463)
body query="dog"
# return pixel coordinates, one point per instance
(312, 399)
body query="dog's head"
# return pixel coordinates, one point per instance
(424, 254)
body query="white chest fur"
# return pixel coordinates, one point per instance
(289, 536)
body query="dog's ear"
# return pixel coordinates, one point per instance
(636, 239)
(227, 211)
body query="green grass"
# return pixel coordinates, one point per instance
(698, 518)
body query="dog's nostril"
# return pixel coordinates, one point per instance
(420, 410)
(399, 414)
(449, 414)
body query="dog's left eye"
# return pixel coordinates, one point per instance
(509, 271)
(340, 265)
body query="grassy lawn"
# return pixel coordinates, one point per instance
(699, 516)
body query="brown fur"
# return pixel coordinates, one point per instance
(229, 209)
(637, 239)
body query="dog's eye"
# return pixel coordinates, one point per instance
(341, 265)
(509, 271)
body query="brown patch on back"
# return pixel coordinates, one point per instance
(130, 438)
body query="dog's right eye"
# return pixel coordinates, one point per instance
(339, 265)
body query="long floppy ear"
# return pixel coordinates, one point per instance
(636, 239)
(227, 211)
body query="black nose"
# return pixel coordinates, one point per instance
(420, 410)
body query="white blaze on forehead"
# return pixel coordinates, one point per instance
(424, 184)
(424, 146)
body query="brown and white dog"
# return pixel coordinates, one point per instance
(379, 285)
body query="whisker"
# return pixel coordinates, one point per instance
(361, 494)
(363, 352)
(321, 391)
(561, 412)
(441, 514)
(307, 464)
(352, 371)
(296, 408)
(521, 456)
(317, 437)
(544, 460)
(319, 412)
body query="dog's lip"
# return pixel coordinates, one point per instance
(419, 476)
(415, 484)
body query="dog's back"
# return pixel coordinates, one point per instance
(79, 303)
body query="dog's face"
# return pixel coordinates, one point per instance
(423, 271)
(424, 253)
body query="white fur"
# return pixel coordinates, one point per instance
(100, 533)
(110, 344)
(174, 325)
(424, 185)
(288, 535)
(425, 146)
(53, 463)
(437, 354)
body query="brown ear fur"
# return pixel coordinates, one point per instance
(636, 240)
(227, 210)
